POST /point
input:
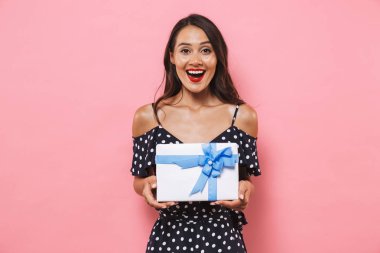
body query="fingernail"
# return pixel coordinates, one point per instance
(153, 185)
(241, 196)
(213, 204)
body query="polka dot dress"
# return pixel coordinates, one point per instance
(195, 226)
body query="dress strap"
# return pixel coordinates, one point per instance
(155, 116)
(235, 113)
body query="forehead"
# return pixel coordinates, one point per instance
(191, 34)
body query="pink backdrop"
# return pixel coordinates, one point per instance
(72, 74)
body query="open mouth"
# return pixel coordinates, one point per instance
(195, 75)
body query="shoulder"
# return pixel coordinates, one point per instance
(143, 120)
(247, 120)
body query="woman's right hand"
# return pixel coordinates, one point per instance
(150, 185)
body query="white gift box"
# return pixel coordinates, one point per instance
(176, 183)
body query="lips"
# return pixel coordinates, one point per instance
(195, 75)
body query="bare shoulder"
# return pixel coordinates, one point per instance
(143, 120)
(247, 120)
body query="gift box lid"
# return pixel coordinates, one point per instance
(197, 171)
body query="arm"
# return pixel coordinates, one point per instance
(246, 121)
(143, 120)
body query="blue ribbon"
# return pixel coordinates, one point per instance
(213, 161)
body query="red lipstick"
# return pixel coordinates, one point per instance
(195, 75)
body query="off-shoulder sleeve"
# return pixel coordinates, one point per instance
(144, 152)
(248, 156)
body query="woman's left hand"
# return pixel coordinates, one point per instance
(246, 188)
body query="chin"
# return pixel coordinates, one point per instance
(199, 89)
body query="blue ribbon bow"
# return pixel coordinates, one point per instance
(213, 161)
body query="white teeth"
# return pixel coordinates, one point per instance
(195, 72)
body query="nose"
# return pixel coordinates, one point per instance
(196, 59)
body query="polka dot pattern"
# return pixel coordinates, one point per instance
(144, 148)
(195, 226)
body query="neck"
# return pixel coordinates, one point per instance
(195, 100)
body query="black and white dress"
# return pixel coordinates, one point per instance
(196, 226)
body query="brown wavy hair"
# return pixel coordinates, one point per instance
(221, 84)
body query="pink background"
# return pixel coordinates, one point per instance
(72, 74)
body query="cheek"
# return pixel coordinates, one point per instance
(180, 62)
(181, 72)
(211, 62)
(214, 62)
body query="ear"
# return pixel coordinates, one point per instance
(171, 58)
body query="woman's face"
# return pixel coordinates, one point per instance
(194, 59)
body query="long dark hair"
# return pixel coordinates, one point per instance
(221, 84)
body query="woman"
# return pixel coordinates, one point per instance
(200, 105)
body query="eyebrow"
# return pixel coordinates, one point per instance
(189, 44)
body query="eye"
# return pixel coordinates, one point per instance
(185, 51)
(206, 50)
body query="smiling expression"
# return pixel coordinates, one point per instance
(194, 59)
